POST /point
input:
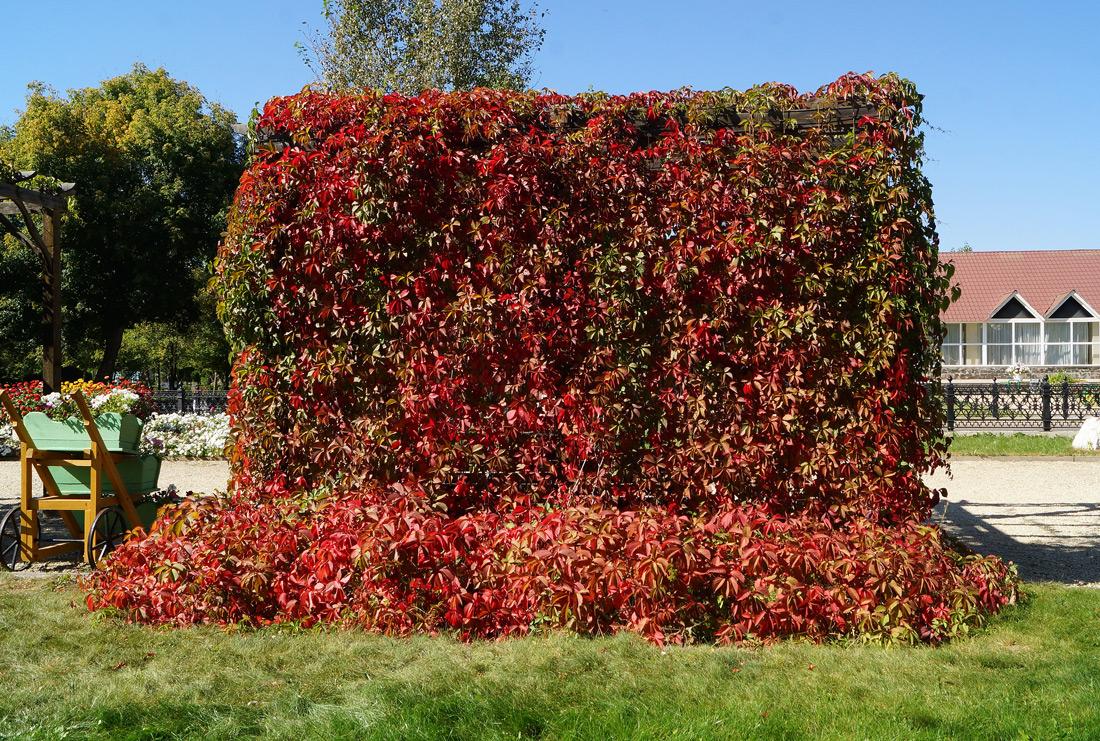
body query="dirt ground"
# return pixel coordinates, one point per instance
(1041, 514)
(188, 476)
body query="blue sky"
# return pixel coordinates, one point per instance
(1010, 87)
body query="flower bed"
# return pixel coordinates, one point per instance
(121, 397)
(9, 443)
(186, 435)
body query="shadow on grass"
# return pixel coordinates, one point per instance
(1057, 542)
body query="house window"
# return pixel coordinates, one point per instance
(1016, 334)
(1027, 347)
(963, 344)
(1059, 349)
(1072, 342)
(1013, 342)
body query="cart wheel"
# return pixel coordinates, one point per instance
(106, 533)
(9, 541)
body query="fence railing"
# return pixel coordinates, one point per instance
(970, 405)
(190, 402)
(1020, 404)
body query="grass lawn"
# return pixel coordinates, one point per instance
(1032, 673)
(1018, 444)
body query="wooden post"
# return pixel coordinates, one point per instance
(51, 314)
(28, 521)
(47, 245)
(104, 465)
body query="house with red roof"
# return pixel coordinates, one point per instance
(1040, 309)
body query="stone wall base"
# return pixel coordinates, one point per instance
(1000, 372)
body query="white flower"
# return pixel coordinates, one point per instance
(186, 435)
(52, 400)
(8, 441)
(116, 400)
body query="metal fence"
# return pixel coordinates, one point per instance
(1020, 404)
(970, 405)
(190, 402)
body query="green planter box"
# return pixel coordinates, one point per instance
(139, 475)
(121, 433)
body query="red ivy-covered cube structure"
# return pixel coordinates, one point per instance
(590, 361)
(509, 296)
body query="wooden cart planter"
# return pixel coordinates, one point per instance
(91, 473)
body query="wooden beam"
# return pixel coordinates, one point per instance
(47, 245)
(28, 222)
(51, 302)
(17, 232)
(34, 200)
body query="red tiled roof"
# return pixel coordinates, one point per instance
(1042, 278)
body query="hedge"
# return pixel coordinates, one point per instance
(661, 314)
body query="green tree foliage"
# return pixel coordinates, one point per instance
(407, 46)
(155, 166)
(20, 312)
(160, 353)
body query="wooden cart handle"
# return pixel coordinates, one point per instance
(16, 418)
(99, 449)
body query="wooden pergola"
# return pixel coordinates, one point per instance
(21, 203)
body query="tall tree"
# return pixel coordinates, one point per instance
(159, 352)
(156, 166)
(407, 46)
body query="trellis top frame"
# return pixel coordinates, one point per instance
(15, 200)
(46, 244)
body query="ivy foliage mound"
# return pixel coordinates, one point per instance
(507, 360)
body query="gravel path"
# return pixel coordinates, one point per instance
(193, 476)
(196, 476)
(1043, 515)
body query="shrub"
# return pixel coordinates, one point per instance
(507, 360)
(389, 561)
(449, 288)
(1058, 378)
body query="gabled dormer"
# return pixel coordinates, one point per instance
(1072, 306)
(1015, 307)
